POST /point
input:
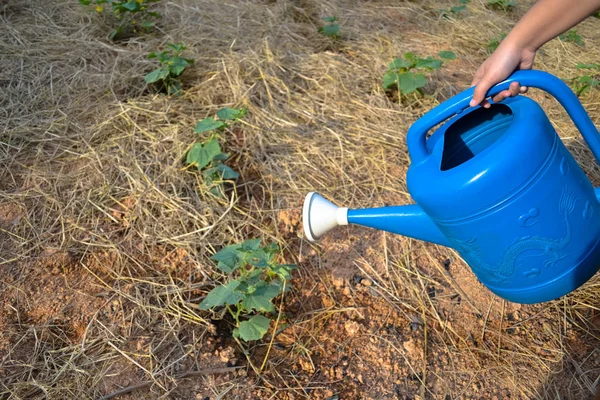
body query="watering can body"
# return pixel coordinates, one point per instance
(500, 187)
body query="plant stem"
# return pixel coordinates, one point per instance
(275, 327)
(234, 315)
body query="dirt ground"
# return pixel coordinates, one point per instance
(105, 237)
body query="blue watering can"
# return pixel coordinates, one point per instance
(498, 186)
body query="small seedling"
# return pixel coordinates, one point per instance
(504, 5)
(207, 156)
(495, 42)
(447, 55)
(572, 36)
(131, 14)
(583, 84)
(454, 10)
(331, 29)
(401, 76)
(255, 279)
(172, 65)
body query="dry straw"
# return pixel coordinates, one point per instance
(95, 201)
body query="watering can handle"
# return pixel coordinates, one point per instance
(417, 134)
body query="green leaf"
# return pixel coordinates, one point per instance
(156, 75)
(254, 329)
(225, 172)
(448, 55)
(330, 30)
(284, 271)
(458, 9)
(271, 248)
(588, 66)
(260, 299)
(173, 87)
(429, 63)
(178, 66)
(390, 78)
(409, 82)
(329, 19)
(208, 124)
(250, 245)
(228, 258)
(399, 63)
(85, 2)
(258, 259)
(222, 295)
(132, 5)
(148, 24)
(178, 47)
(251, 281)
(152, 55)
(410, 56)
(201, 155)
(221, 157)
(231, 113)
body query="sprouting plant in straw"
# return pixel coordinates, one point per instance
(407, 74)
(130, 14)
(255, 278)
(504, 5)
(583, 84)
(207, 155)
(332, 28)
(454, 10)
(572, 36)
(172, 65)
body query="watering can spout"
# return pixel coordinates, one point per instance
(320, 216)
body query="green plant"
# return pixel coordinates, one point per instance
(504, 5)
(255, 279)
(583, 84)
(454, 10)
(572, 36)
(495, 42)
(207, 156)
(332, 28)
(401, 73)
(132, 14)
(172, 65)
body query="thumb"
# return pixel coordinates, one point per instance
(480, 91)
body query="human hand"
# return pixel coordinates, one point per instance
(500, 65)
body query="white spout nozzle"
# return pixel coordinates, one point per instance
(320, 216)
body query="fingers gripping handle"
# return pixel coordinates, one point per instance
(417, 134)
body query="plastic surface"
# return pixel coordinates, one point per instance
(320, 216)
(500, 187)
(409, 220)
(504, 190)
(416, 135)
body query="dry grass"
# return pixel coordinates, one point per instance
(106, 237)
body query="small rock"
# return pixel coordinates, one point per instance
(352, 327)
(366, 282)
(337, 282)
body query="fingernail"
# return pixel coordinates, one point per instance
(472, 103)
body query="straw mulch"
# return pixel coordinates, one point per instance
(106, 236)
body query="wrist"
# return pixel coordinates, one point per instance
(517, 44)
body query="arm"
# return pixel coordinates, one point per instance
(543, 22)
